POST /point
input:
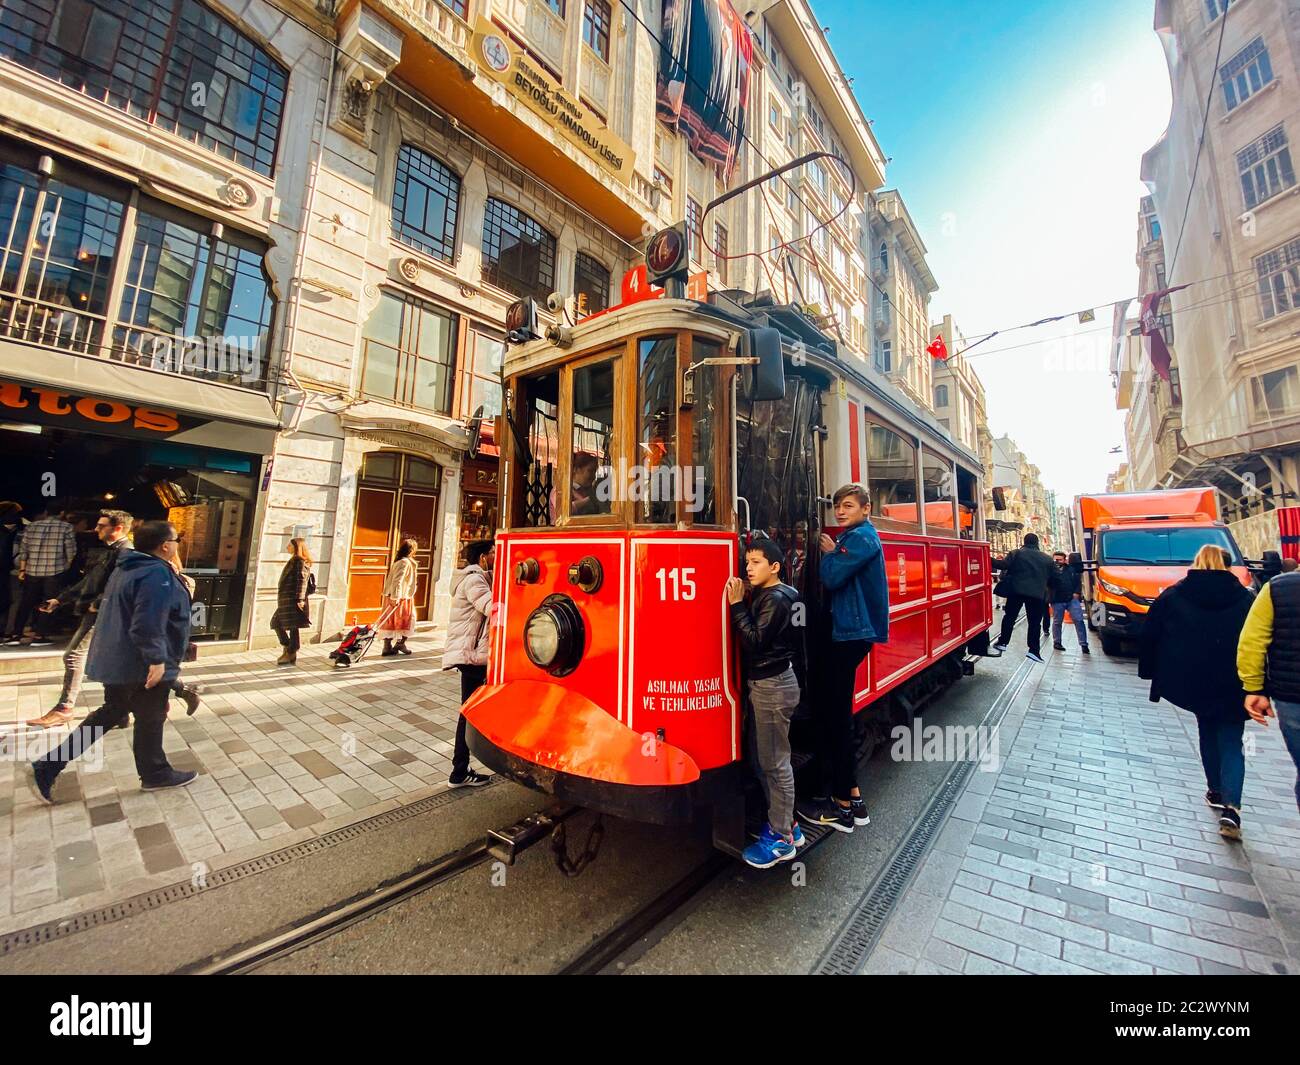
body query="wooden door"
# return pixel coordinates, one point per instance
(417, 512)
(372, 551)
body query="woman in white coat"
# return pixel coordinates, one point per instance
(399, 598)
(467, 645)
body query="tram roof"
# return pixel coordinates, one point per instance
(725, 314)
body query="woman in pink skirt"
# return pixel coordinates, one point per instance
(399, 595)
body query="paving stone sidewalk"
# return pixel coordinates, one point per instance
(1091, 849)
(283, 754)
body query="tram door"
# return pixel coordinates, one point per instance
(397, 498)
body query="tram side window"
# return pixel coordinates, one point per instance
(700, 488)
(593, 440)
(535, 502)
(968, 502)
(891, 477)
(936, 476)
(656, 498)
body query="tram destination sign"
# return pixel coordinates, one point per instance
(523, 78)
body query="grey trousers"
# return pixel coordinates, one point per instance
(774, 700)
(74, 660)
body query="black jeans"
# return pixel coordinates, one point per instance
(835, 715)
(471, 679)
(149, 705)
(1035, 611)
(35, 591)
(290, 639)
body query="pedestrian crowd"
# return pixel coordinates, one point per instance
(132, 605)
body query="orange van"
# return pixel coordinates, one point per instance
(1138, 544)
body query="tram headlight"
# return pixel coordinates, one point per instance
(554, 636)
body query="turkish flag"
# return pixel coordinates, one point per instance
(938, 350)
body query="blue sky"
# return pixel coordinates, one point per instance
(1016, 132)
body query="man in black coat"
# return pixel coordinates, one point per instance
(1026, 572)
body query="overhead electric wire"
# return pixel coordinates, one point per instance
(1200, 145)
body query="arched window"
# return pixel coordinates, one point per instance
(173, 63)
(940, 395)
(884, 256)
(426, 202)
(518, 254)
(590, 284)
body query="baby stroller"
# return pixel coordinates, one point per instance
(358, 640)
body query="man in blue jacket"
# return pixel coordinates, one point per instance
(853, 571)
(141, 634)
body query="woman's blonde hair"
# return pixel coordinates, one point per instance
(1211, 557)
(298, 549)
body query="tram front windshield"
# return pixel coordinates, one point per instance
(1161, 547)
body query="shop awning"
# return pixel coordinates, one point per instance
(218, 415)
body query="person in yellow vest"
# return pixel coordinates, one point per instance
(1268, 661)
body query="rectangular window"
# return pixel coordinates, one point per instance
(774, 115)
(941, 395)
(1215, 8)
(594, 404)
(518, 254)
(596, 20)
(1279, 279)
(408, 354)
(1278, 392)
(701, 502)
(1265, 167)
(885, 356)
(720, 249)
(891, 479)
(485, 376)
(693, 231)
(426, 200)
(182, 282)
(533, 502)
(657, 429)
(1245, 74)
(590, 284)
(55, 292)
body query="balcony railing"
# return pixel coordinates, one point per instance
(227, 360)
(438, 21)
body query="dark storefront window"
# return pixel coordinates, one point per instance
(518, 254)
(409, 354)
(426, 201)
(174, 63)
(590, 284)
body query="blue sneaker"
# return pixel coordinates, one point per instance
(799, 838)
(768, 850)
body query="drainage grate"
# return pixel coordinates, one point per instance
(858, 935)
(151, 900)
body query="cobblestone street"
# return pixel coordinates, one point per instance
(283, 754)
(1091, 849)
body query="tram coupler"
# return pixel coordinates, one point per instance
(506, 844)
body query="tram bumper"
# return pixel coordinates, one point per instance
(559, 742)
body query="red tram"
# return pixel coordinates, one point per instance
(638, 445)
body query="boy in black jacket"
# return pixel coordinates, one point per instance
(768, 644)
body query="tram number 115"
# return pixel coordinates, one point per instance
(682, 580)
